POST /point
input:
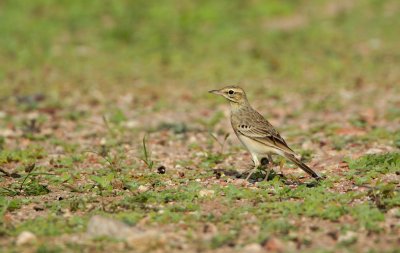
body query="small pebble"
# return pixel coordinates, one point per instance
(206, 193)
(38, 208)
(349, 237)
(25, 238)
(161, 169)
(253, 248)
(217, 175)
(143, 188)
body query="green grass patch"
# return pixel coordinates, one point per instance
(26, 156)
(52, 226)
(369, 167)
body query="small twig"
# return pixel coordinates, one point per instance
(214, 137)
(108, 125)
(101, 197)
(222, 144)
(96, 153)
(106, 122)
(113, 166)
(31, 168)
(9, 190)
(43, 173)
(5, 172)
(147, 157)
(30, 173)
(72, 188)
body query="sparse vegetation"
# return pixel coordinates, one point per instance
(104, 111)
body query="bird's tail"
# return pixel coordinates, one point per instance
(302, 166)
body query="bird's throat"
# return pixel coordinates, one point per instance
(235, 106)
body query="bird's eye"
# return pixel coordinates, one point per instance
(230, 92)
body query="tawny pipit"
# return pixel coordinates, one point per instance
(255, 132)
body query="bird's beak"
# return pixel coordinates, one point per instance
(217, 92)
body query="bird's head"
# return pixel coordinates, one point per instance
(234, 94)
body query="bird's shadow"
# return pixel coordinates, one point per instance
(256, 177)
(261, 175)
(227, 172)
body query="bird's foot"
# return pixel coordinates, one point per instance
(252, 171)
(267, 175)
(269, 172)
(265, 166)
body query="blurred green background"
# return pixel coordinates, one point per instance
(82, 81)
(145, 46)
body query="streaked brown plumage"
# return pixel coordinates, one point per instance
(255, 132)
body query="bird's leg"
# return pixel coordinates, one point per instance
(270, 159)
(252, 172)
(269, 166)
(265, 166)
(256, 164)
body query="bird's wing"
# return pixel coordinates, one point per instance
(259, 129)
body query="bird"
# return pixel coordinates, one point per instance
(259, 137)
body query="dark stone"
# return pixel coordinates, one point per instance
(161, 169)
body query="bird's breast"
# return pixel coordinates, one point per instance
(254, 146)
